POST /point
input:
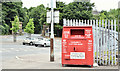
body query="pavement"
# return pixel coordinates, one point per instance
(18, 56)
(39, 61)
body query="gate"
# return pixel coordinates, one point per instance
(105, 39)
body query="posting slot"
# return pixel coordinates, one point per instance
(77, 32)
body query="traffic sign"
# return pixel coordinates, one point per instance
(49, 14)
(56, 17)
(56, 14)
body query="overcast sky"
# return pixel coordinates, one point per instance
(99, 4)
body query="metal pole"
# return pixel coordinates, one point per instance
(118, 40)
(109, 41)
(115, 39)
(52, 35)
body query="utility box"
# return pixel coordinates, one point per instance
(77, 45)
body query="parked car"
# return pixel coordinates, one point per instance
(30, 41)
(43, 41)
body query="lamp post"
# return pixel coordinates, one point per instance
(52, 34)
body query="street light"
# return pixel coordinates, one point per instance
(52, 35)
(52, 17)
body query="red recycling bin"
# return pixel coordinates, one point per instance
(77, 45)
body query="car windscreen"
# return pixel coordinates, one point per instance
(40, 38)
(47, 39)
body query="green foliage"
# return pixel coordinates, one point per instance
(4, 29)
(26, 19)
(10, 10)
(58, 26)
(113, 14)
(110, 15)
(30, 27)
(74, 10)
(15, 24)
(78, 10)
(39, 15)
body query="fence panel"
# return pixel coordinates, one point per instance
(104, 39)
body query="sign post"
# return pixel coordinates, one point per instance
(52, 35)
(52, 17)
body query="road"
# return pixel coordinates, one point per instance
(10, 49)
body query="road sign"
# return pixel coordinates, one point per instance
(48, 14)
(56, 14)
(48, 17)
(48, 20)
(56, 17)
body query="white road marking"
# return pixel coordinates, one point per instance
(11, 48)
(18, 58)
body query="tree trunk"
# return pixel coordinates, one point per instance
(29, 35)
(43, 30)
(14, 37)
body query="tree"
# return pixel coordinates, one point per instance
(78, 10)
(30, 27)
(15, 27)
(4, 29)
(10, 10)
(39, 15)
(26, 19)
(73, 10)
(110, 15)
(102, 16)
(60, 6)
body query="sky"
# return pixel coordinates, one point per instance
(99, 4)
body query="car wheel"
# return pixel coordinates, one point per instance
(36, 45)
(44, 45)
(23, 43)
(31, 43)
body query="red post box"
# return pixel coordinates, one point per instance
(77, 45)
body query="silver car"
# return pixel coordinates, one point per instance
(43, 41)
(30, 41)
